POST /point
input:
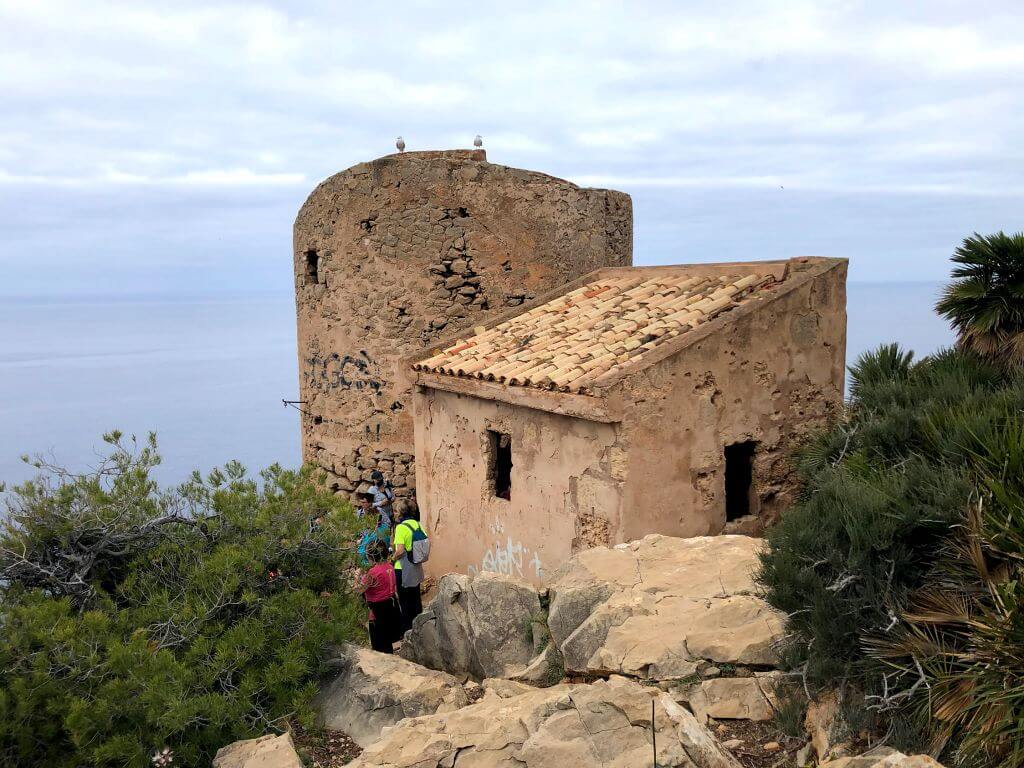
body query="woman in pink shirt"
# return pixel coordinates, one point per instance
(379, 590)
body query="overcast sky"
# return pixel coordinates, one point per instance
(168, 146)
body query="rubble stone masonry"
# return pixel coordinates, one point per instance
(394, 254)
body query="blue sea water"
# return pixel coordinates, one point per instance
(208, 373)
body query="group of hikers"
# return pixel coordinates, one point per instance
(393, 553)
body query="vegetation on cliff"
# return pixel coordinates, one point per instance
(136, 618)
(902, 566)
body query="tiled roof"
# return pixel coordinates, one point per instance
(570, 342)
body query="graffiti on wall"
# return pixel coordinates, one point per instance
(509, 558)
(359, 372)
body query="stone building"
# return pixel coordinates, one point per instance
(634, 401)
(394, 254)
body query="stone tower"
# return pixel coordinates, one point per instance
(394, 254)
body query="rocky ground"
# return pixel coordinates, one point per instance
(758, 745)
(324, 748)
(662, 638)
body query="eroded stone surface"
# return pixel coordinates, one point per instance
(480, 626)
(264, 752)
(883, 757)
(504, 689)
(733, 698)
(657, 607)
(608, 723)
(374, 690)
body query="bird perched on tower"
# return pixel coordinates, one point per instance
(400, 143)
(478, 141)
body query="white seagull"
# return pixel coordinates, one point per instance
(478, 141)
(400, 143)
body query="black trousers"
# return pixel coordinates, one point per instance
(386, 625)
(410, 600)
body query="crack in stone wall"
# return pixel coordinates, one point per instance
(594, 529)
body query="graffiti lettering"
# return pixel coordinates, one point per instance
(348, 372)
(509, 559)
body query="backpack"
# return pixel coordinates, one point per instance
(420, 551)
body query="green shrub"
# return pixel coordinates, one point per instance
(790, 710)
(881, 522)
(880, 492)
(135, 617)
(958, 658)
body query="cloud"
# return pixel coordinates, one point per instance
(231, 177)
(953, 49)
(618, 137)
(869, 114)
(804, 184)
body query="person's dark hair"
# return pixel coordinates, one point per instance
(366, 497)
(377, 476)
(378, 551)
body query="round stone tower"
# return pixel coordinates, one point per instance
(394, 254)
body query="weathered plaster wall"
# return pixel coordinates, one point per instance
(567, 473)
(393, 254)
(767, 376)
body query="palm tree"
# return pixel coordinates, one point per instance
(985, 301)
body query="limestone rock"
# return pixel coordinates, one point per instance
(883, 757)
(733, 698)
(824, 724)
(374, 690)
(504, 689)
(547, 668)
(480, 626)
(657, 607)
(265, 752)
(804, 755)
(607, 723)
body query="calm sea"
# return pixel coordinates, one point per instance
(208, 374)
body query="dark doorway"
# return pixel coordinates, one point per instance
(739, 479)
(501, 463)
(312, 268)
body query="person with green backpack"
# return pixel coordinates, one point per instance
(412, 549)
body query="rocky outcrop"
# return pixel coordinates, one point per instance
(264, 752)
(659, 609)
(662, 607)
(373, 690)
(608, 723)
(883, 757)
(681, 613)
(483, 626)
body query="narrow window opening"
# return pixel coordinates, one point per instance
(312, 267)
(501, 463)
(739, 479)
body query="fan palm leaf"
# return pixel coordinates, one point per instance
(985, 301)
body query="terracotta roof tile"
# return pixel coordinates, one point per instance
(572, 341)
